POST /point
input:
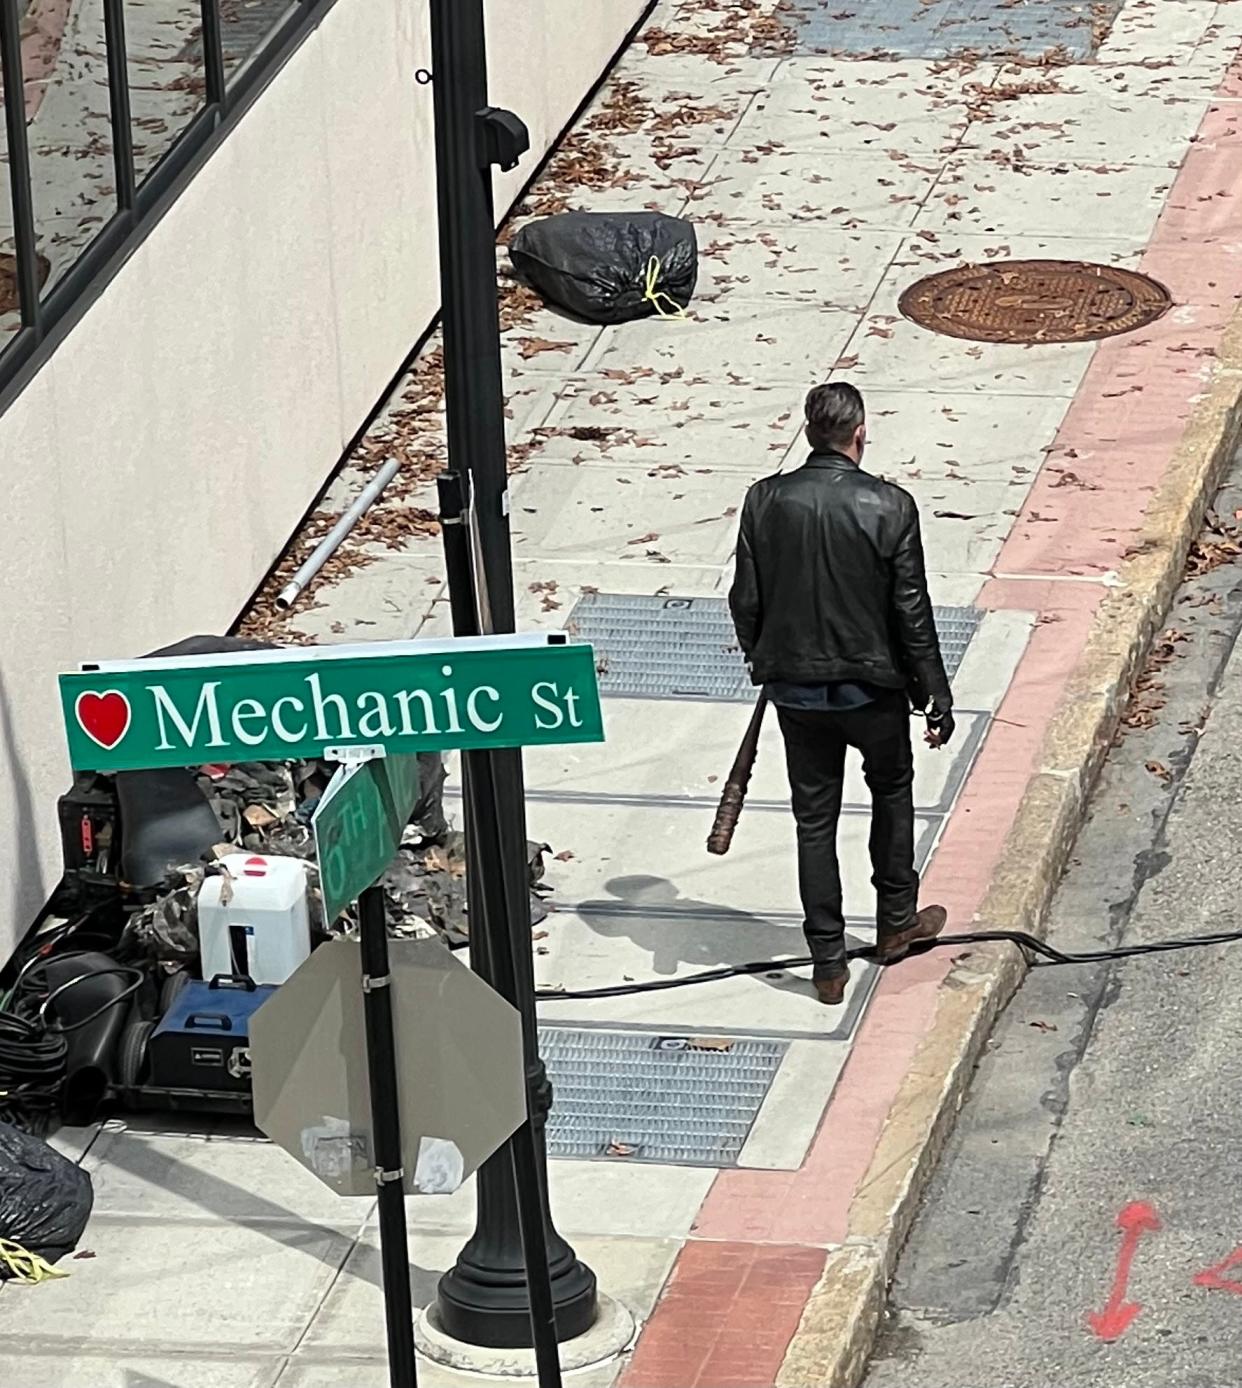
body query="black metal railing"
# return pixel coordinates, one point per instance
(235, 47)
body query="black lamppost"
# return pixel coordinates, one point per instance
(485, 1299)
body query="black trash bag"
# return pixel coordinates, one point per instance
(609, 267)
(45, 1199)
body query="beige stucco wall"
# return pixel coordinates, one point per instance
(156, 466)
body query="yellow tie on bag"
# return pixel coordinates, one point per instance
(655, 295)
(26, 1266)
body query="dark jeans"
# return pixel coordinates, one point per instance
(815, 744)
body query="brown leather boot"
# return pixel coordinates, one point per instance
(831, 991)
(929, 922)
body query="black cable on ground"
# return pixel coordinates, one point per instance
(32, 1066)
(34, 1046)
(1045, 956)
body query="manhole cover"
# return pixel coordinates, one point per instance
(635, 1097)
(1034, 301)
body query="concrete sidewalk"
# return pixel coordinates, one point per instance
(750, 1225)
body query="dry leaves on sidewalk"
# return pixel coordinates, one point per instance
(738, 26)
(533, 346)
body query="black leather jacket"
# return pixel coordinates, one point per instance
(830, 583)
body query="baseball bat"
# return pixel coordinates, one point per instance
(734, 794)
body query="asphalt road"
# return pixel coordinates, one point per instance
(1111, 1095)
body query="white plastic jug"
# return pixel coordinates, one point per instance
(253, 920)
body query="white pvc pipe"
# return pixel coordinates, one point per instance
(331, 542)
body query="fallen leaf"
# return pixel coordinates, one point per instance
(532, 346)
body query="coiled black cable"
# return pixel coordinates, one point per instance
(32, 1066)
(34, 1043)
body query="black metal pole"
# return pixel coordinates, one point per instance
(386, 1135)
(25, 255)
(491, 1253)
(539, 1292)
(213, 53)
(526, 1150)
(118, 98)
(486, 1298)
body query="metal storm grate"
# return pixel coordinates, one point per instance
(626, 1096)
(684, 648)
(955, 627)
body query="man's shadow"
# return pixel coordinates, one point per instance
(677, 930)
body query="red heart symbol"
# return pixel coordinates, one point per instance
(104, 718)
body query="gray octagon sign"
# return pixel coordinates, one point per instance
(459, 1068)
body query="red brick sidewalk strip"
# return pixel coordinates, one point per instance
(727, 1315)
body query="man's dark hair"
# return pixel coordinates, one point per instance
(833, 413)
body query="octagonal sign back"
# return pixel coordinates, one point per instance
(459, 1067)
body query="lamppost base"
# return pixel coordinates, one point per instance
(490, 1306)
(612, 1332)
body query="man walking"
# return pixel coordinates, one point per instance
(832, 612)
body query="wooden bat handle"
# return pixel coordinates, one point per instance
(727, 813)
(733, 796)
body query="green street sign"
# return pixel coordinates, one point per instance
(403, 696)
(358, 825)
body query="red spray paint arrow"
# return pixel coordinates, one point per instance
(1214, 1278)
(1115, 1319)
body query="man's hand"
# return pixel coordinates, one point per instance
(940, 726)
